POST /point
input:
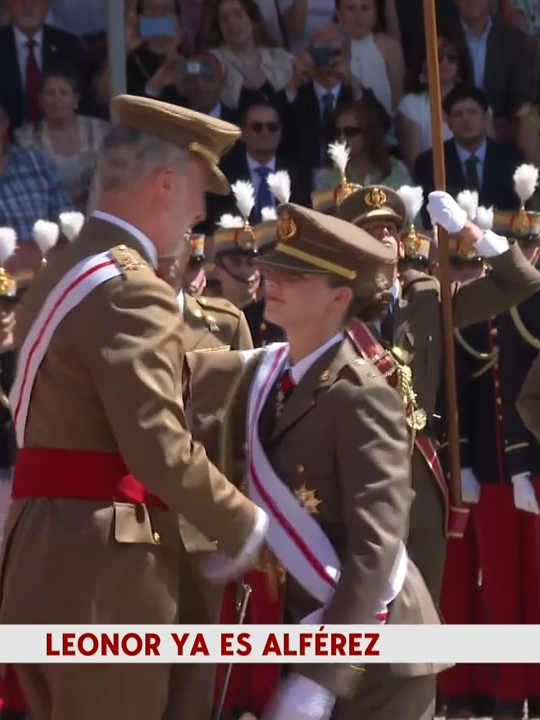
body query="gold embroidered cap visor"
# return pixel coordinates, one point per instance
(204, 136)
(373, 202)
(307, 241)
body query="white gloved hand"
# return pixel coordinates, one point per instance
(524, 495)
(299, 698)
(470, 487)
(444, 211)
(218, 567)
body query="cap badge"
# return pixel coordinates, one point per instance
(286, 229)
(376, 198)
(466, 251)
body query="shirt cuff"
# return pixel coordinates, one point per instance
(521, 476)
(247, 355)
(303, 696)
(491, 245)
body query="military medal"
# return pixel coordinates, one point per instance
(308, 499)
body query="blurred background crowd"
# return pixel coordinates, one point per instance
(294, 74)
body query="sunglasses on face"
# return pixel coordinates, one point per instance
(272, 127)
(350, 131)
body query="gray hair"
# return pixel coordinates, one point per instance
(127, 156)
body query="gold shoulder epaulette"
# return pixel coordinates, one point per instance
(522, 330)
(218, 305)
(362, 370)
(128, 259)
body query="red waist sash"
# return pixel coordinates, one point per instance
(57, 474)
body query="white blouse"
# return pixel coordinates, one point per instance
(276, 64)
(416, 108)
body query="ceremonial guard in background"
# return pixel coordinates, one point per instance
(465, 690)
(194, 276)
(316, 409)
(249, 688)
(413, 329)
(235, 252)
(105, 462)
(327, 200)
(415, 246)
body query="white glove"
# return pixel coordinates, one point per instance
(444, 211)
(299, 698)
(470, 487)
(524, 495)
(218, 567)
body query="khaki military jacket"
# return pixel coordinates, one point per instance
(111, 381)
(210, 324)
(417, 325)
(214, 324)
(342, 446)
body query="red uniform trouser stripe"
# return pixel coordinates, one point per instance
(509, 547)
(462, 604)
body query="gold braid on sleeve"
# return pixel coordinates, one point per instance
(522, 330)
(489, 359)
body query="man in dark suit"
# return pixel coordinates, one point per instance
(498, 53)
(259, 156)
(322, 80)
(201, 79)
(27, 47)
(472, 160)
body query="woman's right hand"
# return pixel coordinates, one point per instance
(302, 65)
(165, 75)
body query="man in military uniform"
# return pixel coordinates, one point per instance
(318, 410)
(106, 462)
(466, 690)
(236, 247)
(194, 276)
(413, 328)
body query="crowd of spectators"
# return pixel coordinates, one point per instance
(294, 74)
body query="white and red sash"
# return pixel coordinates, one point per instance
(294, 536)
(369, 347)
(70, 291)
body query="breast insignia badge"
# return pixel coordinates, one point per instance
(308, 499)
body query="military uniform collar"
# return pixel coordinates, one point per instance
(301, 368)
(145, 242)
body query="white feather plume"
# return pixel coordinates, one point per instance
(268, 213)
(244, 195)
(525, 182)
(229, 222)
(468, 201)
(8, 243)
(484, 218)
(339, 153)
(413, 199)
(71, 224)
(280, 185)
(45, 235)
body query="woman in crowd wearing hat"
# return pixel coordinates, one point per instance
(413, 328)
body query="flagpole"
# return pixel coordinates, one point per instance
(451, 408)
